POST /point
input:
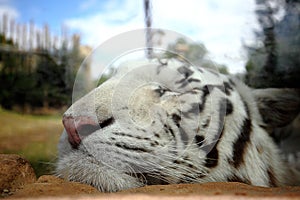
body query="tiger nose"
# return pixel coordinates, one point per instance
(78, 128)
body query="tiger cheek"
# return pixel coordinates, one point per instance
(171, 104)
(140, 108)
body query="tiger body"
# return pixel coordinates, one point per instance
(169, 123)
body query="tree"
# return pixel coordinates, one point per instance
(181, 49)
(288, 37)
(193, 52)
(35, 71)
(274, 60)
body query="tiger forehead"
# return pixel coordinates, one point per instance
(149, 90)
(179, 78)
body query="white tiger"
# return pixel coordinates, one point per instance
(175, 123)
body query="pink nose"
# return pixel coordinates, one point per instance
(78, 128)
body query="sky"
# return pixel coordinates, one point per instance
(222, 26)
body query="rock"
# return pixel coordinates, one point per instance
(56, 188)
(48, 185)
(216, 189)
(17, 178)
(15, 172)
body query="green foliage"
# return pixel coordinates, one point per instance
(37, 79)
(223, 69)
(182, 50)
(102, 79)
(194, 53)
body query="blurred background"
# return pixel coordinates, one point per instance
(43, 44)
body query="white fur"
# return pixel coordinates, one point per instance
(129, 97)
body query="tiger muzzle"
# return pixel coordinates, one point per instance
(78, 128)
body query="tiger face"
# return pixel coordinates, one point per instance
(170, 123)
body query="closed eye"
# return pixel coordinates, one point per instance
(107, 122)
(161, 91)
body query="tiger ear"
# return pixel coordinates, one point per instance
(277, 107)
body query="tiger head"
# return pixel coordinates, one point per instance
(162, 123)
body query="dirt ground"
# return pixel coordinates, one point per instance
(50, 186)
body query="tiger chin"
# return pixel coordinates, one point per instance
(175, 123)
